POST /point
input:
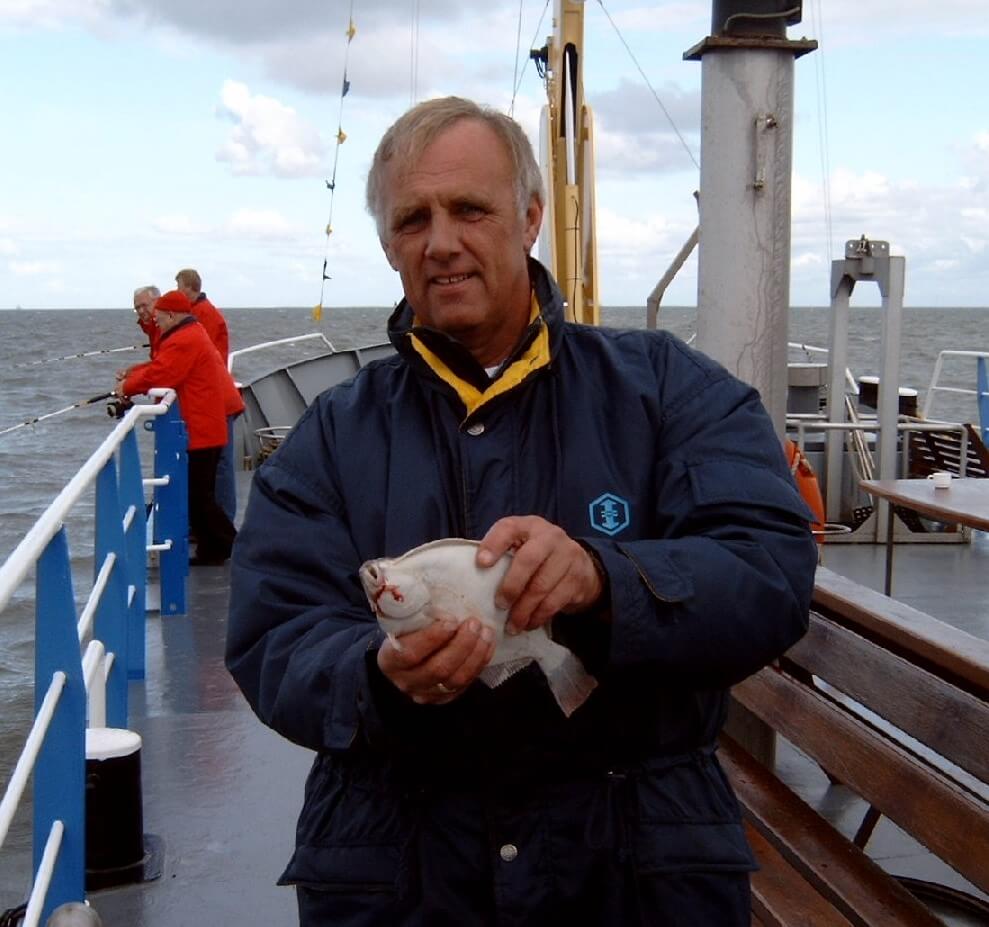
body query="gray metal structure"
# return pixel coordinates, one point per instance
(277, 399)
(865, 261)
(743, 292)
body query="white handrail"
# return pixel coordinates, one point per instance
(46, 868)
(84, 626)
(32, 747)
(24, 556)
(92, 663)
(933, 389)
(271, 344)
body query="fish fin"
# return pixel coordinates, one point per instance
(394, 642)
(493, 676)
(569, 682)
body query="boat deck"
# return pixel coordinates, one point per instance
(222, 792)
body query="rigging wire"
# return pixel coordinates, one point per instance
(518, 82)
(331, 184)
(518, 46)
(822, 127)
(414, 54)
(666, 112)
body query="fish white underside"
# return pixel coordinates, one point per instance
(441, 579)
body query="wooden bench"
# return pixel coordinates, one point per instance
(865, 656)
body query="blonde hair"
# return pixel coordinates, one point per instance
(412, 133)
(190, 278)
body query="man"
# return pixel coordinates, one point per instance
(190, 283)
(144, 302)
(187, 362)
(652, 519)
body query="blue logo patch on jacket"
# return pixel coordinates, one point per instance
(609, 514)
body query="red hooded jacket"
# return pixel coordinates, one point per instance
(187, 362)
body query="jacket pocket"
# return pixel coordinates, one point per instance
(688, 820)
(351, 832)
(716, 482)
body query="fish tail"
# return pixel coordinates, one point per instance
(394, 642)
(569, 682)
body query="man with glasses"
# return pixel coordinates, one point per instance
(144, 304)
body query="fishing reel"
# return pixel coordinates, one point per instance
(117, 406)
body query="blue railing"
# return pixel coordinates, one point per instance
(83, 660)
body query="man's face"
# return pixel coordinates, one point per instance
(167, 320)
(453, 232)
(143, 305)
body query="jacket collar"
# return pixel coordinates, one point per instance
(187, 321)
(435, 353)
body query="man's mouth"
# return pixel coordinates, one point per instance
(452, 280)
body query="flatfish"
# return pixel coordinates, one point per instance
(441, 578)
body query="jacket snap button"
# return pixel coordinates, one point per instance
(508, 852)
(476, 429)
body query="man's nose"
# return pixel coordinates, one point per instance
(444, 236)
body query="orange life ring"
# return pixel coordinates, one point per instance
(807, 483)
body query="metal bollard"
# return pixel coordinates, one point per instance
(74, 914)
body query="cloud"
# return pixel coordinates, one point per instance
(51, 14)
(259, 225)
(260, 21)
(178, 225)
(634, 134)
(8, 247)
(268, 137)
(32, 268)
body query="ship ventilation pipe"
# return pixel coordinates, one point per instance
(743, 278)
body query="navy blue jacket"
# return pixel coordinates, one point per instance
(636, 445)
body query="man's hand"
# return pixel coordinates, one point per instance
(550, 572)
(436, 663)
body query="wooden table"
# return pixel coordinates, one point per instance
(966, 502)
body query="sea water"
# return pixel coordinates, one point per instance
(37, 461)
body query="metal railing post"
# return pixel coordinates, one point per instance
(110, 624)
(172, 508)
(60, 773)
(982, 381)
(135, 543)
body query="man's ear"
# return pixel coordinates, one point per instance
(533, 220)
(388, 253)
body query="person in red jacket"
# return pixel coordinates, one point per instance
(187, 362)
(144, 303)
(189, 282)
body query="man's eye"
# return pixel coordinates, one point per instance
(471, 210)
(411, 221)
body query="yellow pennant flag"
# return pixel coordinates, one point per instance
(351, 30)
(341, 137)
(317, 312)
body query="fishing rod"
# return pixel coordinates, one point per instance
(52, 360)
(41, 418)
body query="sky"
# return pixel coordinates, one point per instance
(142, 136)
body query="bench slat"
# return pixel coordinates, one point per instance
(845, 878)
(950, 722)
(780, 895)
(949, 821)
(945, 650)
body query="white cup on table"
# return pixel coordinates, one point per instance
(941, 479)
